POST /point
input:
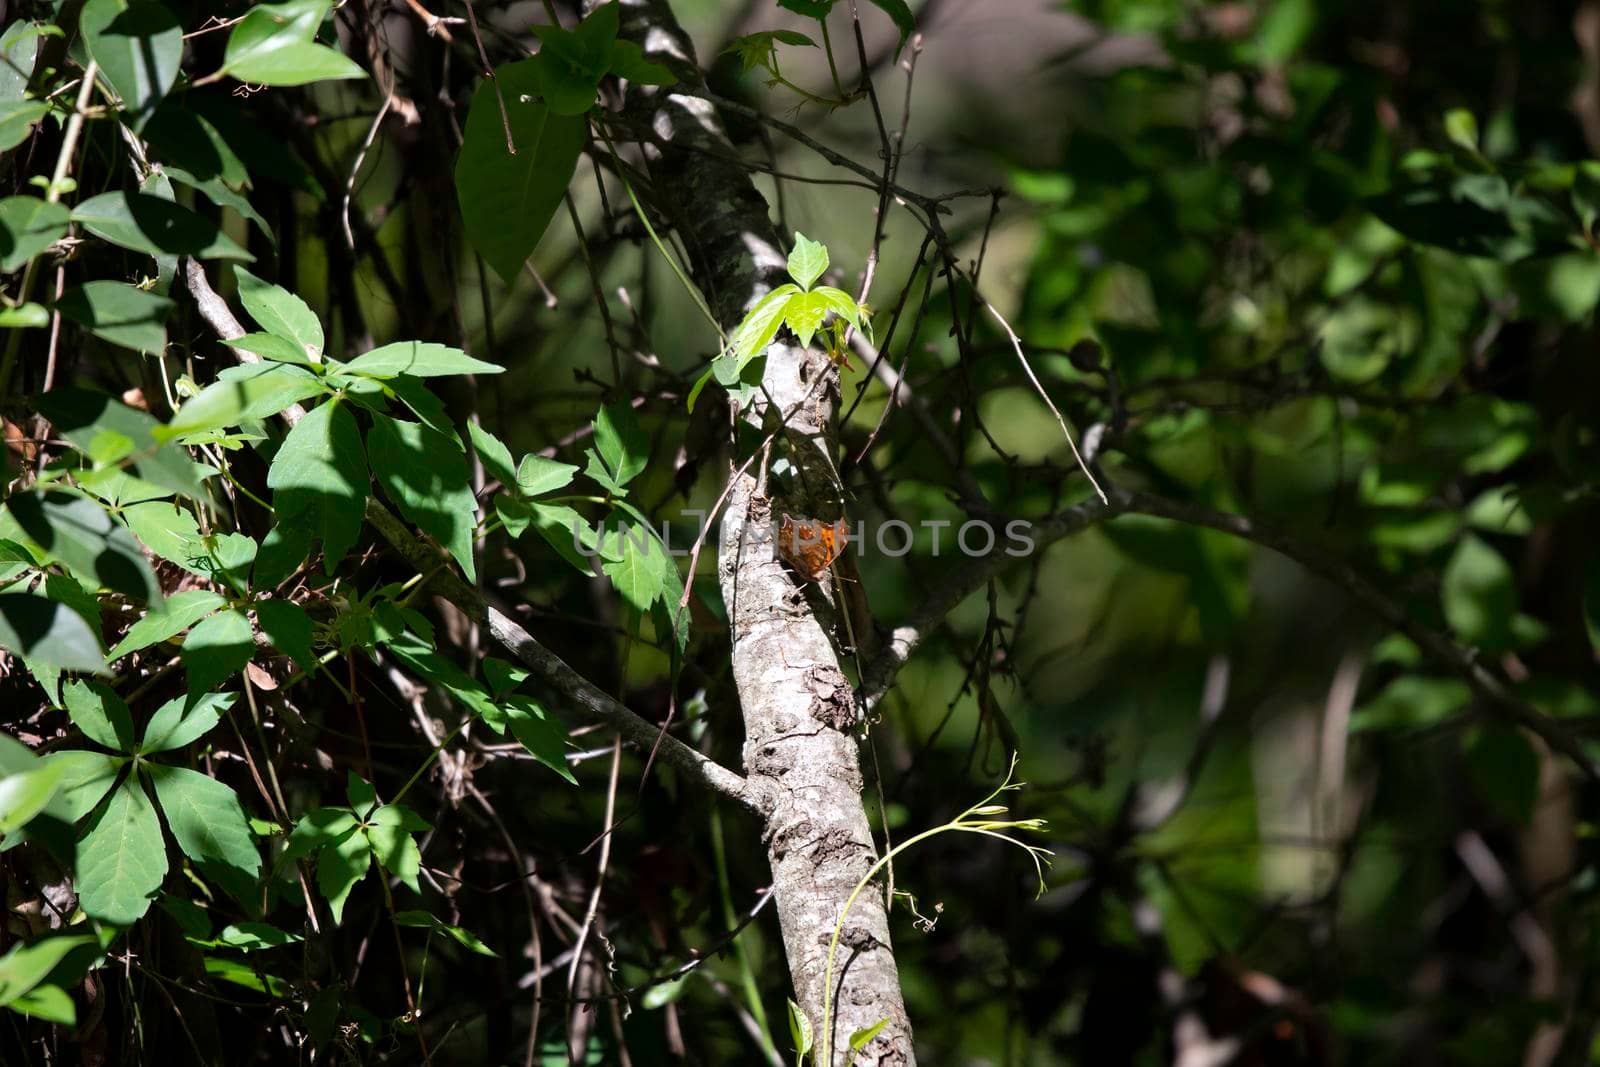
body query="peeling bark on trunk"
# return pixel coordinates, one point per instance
(801, 755)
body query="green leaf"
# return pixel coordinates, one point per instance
(1284, 28)
(811, 9)
(629, 64)
(183, 611)
(205, 819)
(19, 47)
(217, 649)
(242, 393)
(541, 735)
(191, 148)
(799, 1029)
(1504, 770)
(24, 794)
(804, 314)
(661, 994)
(1479, 594)
(149, 224)
(227, 559)
(139, 48)
(421, 359)
(1462, 128)
(49, 634)
(493, 454)
(537, 476)
(169, 531)
(427, 479)
(17, 118)
(424, 404)
(1412, 701)
(340, 865)
(844, 305)
(760, 324)
(251, 936)
(26, 965)
(807, 261)
(80, 534)
(900, 14)
(296, 63)
(438, 670)
(760, 49)
(270, 346)
(571, 63)
(283, 551)
(120, 313)
(101, 714)
(320, 478)
(86, 777)
(621, 443)
(182, 720)
(860, 1038)
(289, 629)
(280, 313)
(427, 921)
(568, 533)
(390, 829)
(121, 859)
(640, 574)
(28, 225)
(227, 969)
(48, 1002)
(315, 829)
(28, 316)
(82, 415)
(507, 200)
(273, 45)
(219, 193)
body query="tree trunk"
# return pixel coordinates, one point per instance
(801, 754)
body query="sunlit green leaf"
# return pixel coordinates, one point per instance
(273, 45)
(121, 859)
(251, 391)
(182, 720)
(205, 818)
(419, 359)
(493, 454)
(807, 260)
(101, 714)
(183, 611)
(280, 313)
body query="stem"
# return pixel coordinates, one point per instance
(833, 68)
(69, 147)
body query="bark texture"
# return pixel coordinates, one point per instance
(801, 756)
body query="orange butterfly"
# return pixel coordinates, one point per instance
(810, 546)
